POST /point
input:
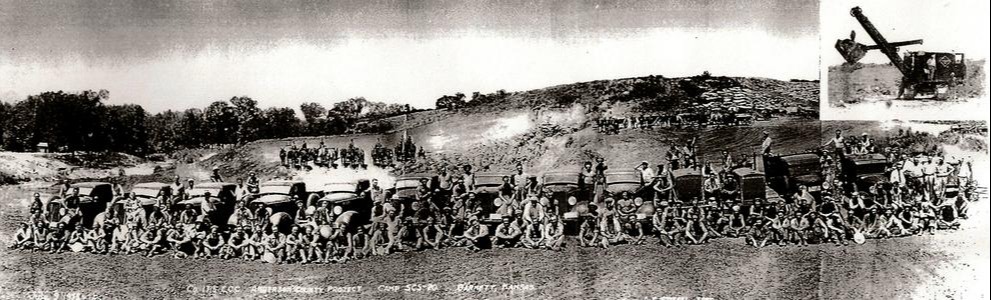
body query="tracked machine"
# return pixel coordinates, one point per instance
(924, 73)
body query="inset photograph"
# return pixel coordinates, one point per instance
(888, 62)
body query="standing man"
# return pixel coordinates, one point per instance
(646, 173)
(837, 143)
(468, 178)
(215, 177)
(943, 171)
(178, 190)
(518, 181)
(765, 147)
(207, 207)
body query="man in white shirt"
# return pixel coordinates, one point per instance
(519, 181)
(943, 171)
(929, 174)
(646, 173)
(897, 176)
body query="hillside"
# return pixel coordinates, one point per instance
(658, 94)
(866, 82)
(544, 129)
(552, 128)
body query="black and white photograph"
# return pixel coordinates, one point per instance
(907, 60)
(431, 149)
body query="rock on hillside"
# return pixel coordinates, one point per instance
(657, 94)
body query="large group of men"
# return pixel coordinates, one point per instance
(448, 211)
(300, 156)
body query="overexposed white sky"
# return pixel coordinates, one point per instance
(183, 54)
(943, 25)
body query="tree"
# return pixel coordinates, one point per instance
(280, 122)
(221, 123)
(451, 102)
(315, 116)
(193, 132)
(164, 131)
(249, 119)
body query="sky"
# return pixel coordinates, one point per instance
(175, 54)
(943, 25)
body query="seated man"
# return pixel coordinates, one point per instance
(292, 244)
(610, 230)
(507, 234)
(588, 232)
(180, 241)
(236, 244)
(833, 228)
(476, 235)
(304, 242)
(23, 238)
(100, 237)
(778, 229)
(696, 231)
(39, 236)
(274, 245)
(57, 240)
(211, 243)
(361, 242)
(318, 243)
(77, 238)
(798, 228)
(432, 233)
(948, 217)
(255, 245)
(533, 235)
(553, 233)
(671, 229)
(120, 240)
(632, 230)
(758, 235)
(153, 240)
(737, 222)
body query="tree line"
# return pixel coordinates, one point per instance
(84, 122)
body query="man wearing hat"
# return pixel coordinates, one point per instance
(215, 177)
(646, 173)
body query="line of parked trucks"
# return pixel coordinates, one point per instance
(782, 177)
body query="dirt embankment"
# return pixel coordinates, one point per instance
(866, 82)
(16, 167)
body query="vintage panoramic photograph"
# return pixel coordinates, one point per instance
(482, 150)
